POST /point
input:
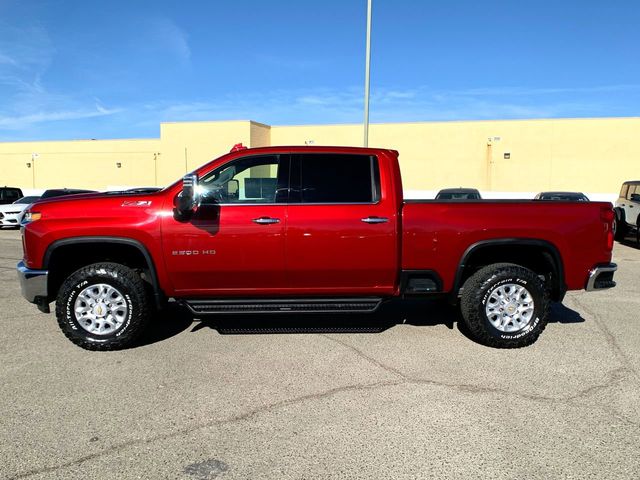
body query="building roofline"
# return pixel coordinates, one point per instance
(150, 139)
(242, 120)
(458, 121)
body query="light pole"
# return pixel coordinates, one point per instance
(34, 156)
(367, 67)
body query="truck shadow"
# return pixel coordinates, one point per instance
(631, 239)
(175, 319)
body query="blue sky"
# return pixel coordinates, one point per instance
(115, 69)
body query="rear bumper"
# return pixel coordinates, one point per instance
(601, 277)
(33, 284)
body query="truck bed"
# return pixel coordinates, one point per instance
(437, 232)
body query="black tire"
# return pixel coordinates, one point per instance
(620, 228)
(135, 296)
(476, 294)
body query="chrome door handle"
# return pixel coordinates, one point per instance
(374, 220)
(266, 220)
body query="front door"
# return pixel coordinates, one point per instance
(234, 243)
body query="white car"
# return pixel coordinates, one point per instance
(11, 214)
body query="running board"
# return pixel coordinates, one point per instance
(284, 305)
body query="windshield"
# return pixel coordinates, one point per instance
(458, 196)
(26, 200)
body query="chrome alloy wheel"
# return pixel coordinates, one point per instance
(510, 307)
(101, 309)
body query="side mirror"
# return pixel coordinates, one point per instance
(189, 198)
(635, 197)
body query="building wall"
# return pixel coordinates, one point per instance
(591, 155)
(90, 164)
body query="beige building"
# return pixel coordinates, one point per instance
(501, 158)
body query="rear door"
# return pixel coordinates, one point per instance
(341, 228)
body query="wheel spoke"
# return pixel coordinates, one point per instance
(510, 307)
(101, 309)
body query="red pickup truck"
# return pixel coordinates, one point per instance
(306, 229)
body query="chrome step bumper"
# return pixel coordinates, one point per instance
(601, 277)
(33, 284)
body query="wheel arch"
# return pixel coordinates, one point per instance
(123, 250)
(513, 250)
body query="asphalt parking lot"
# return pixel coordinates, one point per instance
(416, 400)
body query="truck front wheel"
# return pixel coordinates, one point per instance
(505, 306)
(103, 306)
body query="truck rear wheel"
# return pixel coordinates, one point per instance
(103, 306)
(505, 306)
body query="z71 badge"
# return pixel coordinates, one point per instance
(136, 203)
(191, 253)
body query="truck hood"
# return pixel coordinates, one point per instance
(80, 197)
(86, 207)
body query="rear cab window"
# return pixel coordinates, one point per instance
(13, 194)
(319, 178)
(10, 195)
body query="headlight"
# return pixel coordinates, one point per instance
(31, 217)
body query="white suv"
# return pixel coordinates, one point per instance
(627, 209)
(10, 215)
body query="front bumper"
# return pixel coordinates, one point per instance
(601, 277)
(9, 220)
(33, 284)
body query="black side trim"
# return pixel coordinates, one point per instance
(420, 282)
(283, 305)
(558, 293)
(159, 296)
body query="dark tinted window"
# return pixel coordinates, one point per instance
(572, 197)
(458, 196)
(12, 194)
(336, 178)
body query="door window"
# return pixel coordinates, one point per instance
(335, 178)
(623, 191)
(248, 180)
